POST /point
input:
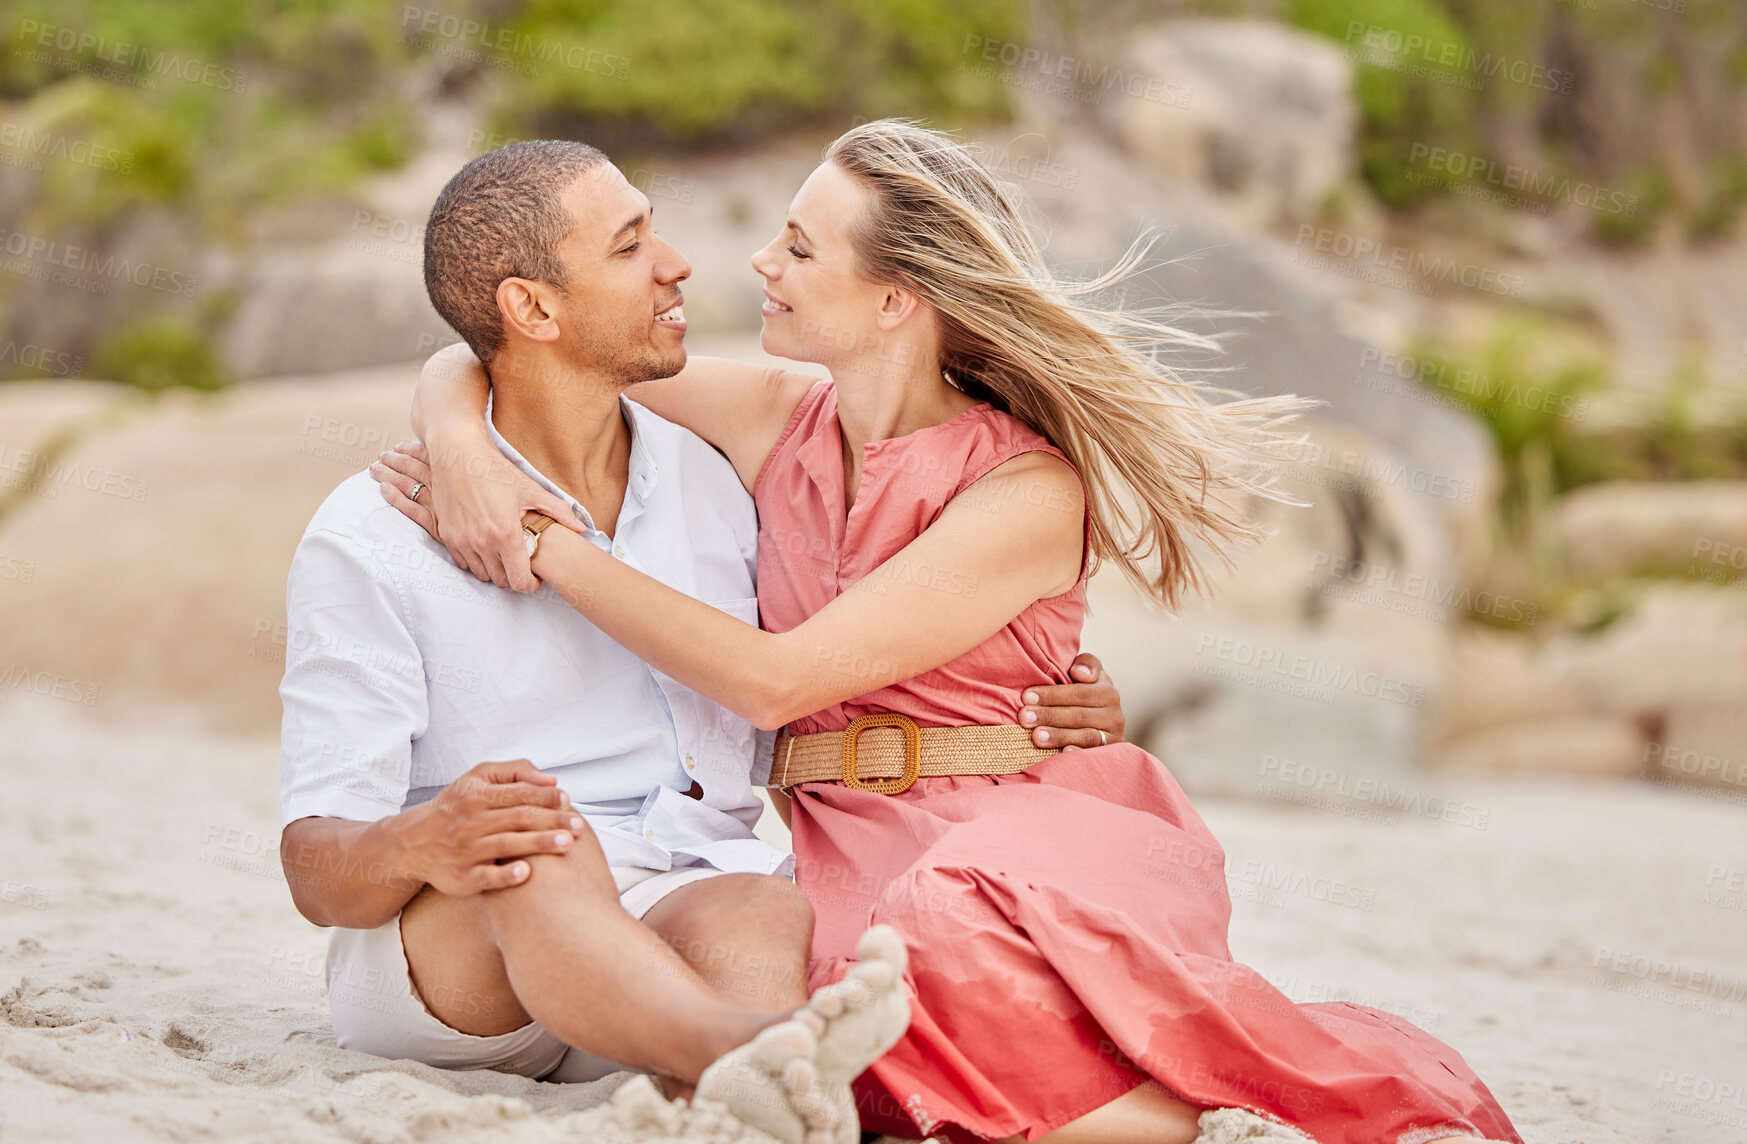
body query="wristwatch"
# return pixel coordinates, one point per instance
(533, 525)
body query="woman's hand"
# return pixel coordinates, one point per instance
(1086, 713)
(472, 504)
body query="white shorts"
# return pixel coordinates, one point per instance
(375, 1009)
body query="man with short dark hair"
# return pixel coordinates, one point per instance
(612, 900)
(607, 905)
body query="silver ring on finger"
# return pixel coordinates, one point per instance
(1103, 739)
(417, 488)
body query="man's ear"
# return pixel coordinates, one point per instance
(897, 303)
(523, 303)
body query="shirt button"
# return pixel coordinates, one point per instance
(690, 762)
(619, 551)
(649, 834)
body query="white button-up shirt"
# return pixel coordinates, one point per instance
(402, 671)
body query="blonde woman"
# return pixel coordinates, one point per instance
(928, 517)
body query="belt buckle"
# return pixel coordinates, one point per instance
(912, 752)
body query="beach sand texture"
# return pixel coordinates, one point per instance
(156, 983)
(1585, 949)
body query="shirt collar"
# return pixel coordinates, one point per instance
(643, 468)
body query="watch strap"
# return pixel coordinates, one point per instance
(533, 524)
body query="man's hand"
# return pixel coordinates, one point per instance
(1072, 715)
(467, 839)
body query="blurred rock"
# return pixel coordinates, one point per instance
(148, 569)
(1443, 459)
(67, 296)
(1494, 678)
(1703, 744)
(1325, 645)
(359, 302)
(1622, 527)
(1259, 111)
(1607, 746)
(1660, 690)
(1683, 646)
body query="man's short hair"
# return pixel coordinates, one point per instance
(501, 216)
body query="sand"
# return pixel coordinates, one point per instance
(1586, 949)
(156, 983)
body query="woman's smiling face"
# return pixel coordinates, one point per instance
(817, 306)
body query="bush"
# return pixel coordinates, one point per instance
(1530, 388)
(1402, 98)
(215, 106)
(1649, 185)
(735, 69)
(159, 353)
(1724, 194)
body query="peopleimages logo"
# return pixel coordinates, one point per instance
(498, 46)
(1310, 670)
(132, 57)
(1446, 59)
(36, 145)
(82, 260)
(15, 679)
(1414, 264)
(1476, 387)
(1511, 177)
(1080, 79)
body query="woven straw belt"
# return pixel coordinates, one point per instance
(894, 761)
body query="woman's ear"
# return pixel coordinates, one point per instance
(897, 303)
(522, 302)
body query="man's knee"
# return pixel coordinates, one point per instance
(581, 873)
(728, 915)
(777, 902)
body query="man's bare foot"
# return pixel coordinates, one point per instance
(768, 1082)
(792, 1080)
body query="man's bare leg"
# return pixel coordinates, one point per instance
(559, 949)
(747, 935)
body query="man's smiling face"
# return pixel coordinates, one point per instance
(620, 312)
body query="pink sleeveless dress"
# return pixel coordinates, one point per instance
(1067, 925)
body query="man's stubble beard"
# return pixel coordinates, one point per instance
(623, 354)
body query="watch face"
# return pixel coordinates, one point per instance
(533, 539)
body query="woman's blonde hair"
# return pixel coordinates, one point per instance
(1165, 468)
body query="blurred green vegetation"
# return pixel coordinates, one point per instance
(214, 107)
(1401, 101)
(208, 112)
(211, 112)
(1534, 385)
(728, 70)
(1537, 386)
(1531, 388)
(160, 353)
(1467, 76)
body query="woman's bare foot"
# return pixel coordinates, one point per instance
(1238, 1126)
(792, 1080)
